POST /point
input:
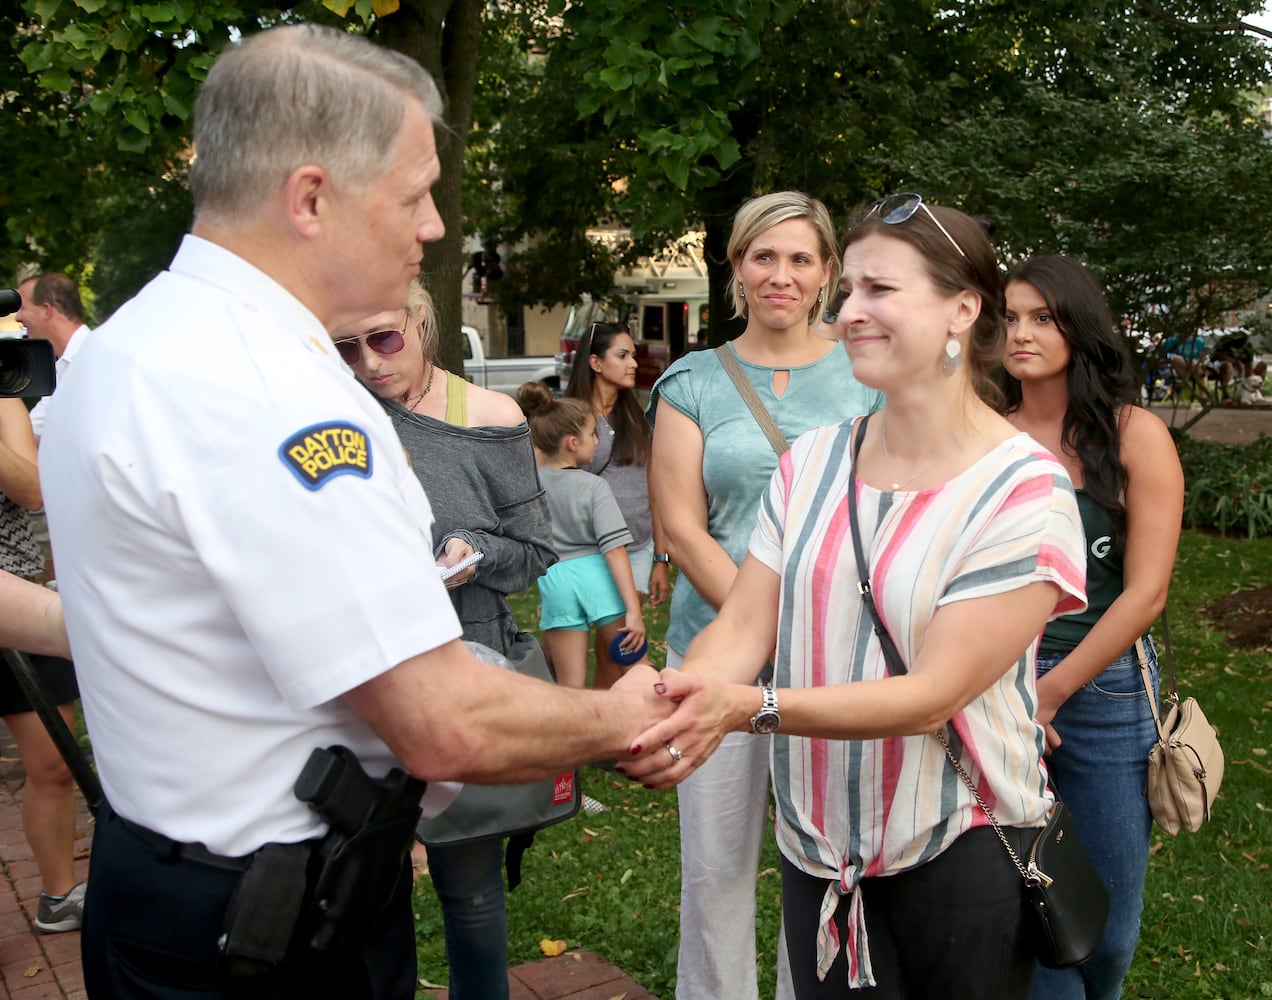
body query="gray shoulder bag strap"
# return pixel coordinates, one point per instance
(752, 399)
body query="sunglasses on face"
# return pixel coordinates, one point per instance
(898, 208)
(382, 342)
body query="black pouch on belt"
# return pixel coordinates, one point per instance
(261, 918)
(363, 855)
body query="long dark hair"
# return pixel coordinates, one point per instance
(1101, 377)
(631, 443)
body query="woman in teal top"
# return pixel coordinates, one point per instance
(1071, 385)
(710, 465)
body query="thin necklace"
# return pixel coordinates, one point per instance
(410, 407)
(927, 468)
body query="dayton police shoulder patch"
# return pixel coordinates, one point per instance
(321, 452)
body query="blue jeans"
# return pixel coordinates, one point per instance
(1099, 769)
(468, 879)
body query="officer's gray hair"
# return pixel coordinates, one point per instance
(295, 95)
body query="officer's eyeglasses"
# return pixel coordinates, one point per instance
(898, 208)
(382, 342)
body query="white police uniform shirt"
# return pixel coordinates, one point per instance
(40, 411)
(239, 542)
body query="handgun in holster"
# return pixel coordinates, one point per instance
(361, 859)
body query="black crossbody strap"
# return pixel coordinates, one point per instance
(891, 655)
(752, 399)
(896, 666)
(28, 679)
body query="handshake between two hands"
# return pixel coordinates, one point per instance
(689, 719)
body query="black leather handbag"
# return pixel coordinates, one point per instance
(1067, 895)
(1068, 898)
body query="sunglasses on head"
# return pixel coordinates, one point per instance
(892, 211)
(381, 341)
(898, 208)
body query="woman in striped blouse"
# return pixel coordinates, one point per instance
(891, 876)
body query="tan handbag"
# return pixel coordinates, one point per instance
(1185, 765)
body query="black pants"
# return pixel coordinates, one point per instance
(956, 928)
(151, 926)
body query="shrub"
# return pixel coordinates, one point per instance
(1228, 488)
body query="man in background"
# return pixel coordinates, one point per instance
(52, 310)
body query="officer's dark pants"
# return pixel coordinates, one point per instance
(151, 924)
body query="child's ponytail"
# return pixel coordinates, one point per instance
(551, 420)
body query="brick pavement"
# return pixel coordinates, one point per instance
(33, 966)
(37, 966)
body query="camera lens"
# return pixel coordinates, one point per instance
(15, 369)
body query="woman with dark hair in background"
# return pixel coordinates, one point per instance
(1071, 385)
(604, 377)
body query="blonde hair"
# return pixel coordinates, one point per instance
(551, 420)
(419, 306)
(761, 214)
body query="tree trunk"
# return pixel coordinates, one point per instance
(442, 36)
(718, 208)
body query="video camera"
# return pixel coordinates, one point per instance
(27, 367)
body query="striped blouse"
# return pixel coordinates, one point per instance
(848, 810)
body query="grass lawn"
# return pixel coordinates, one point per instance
(610, 883)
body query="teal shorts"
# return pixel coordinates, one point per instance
(576, 594)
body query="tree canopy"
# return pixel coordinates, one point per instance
(1120, 132)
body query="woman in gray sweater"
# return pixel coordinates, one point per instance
(470, 448)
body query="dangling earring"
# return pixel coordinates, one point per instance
(821, 295)
(953, 356)
(741, 291)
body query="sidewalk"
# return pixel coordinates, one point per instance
(37, 966)
(33, 966)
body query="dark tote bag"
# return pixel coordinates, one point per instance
(493, 812)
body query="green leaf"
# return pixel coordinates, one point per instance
(46, 10)
(176, 106)
(677, 171)
(137, 119)
(157, 13)
(616, 77)
(133, 142)
(57, 80)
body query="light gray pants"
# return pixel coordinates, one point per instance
(723, 823)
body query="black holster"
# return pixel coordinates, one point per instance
(323, 895)
(260, 923)
(361, 859)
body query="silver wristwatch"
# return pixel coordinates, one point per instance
(768, 718)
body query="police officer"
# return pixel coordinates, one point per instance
(242, 550)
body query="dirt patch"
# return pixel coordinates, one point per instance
(1246, 616)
